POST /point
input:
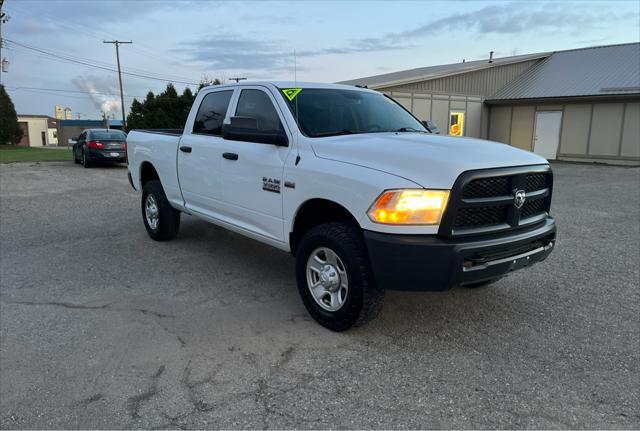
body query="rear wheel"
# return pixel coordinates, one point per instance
(161, 220)
(85, 161)
(334, 277)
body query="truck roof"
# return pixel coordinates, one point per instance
(292, 84)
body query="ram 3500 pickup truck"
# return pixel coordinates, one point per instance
(351, 184)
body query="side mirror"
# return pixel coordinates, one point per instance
(431, 126)
(246, 129)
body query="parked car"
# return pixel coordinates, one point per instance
(100, 146)
(353, 186)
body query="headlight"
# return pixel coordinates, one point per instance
(410, 206)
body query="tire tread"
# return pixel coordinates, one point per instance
(169, 222)
(350, 237)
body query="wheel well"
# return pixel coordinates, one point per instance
(147, 173)
(313, 213)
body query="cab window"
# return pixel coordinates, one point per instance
(211, 113)
(256, 104)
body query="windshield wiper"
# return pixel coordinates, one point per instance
(408, 129)
(336, 133)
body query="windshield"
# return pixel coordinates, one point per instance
(332, 112)
(110, 135)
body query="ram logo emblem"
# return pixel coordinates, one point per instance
(519, 196)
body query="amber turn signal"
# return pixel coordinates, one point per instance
(409, 206)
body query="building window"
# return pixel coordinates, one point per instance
(456, 123)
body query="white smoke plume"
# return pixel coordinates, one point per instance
(97, 87)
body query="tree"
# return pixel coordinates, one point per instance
(207, 80)
(166, 110)
(10, 130)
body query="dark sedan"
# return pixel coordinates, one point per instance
(100, 146)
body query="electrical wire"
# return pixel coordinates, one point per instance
(86, 29)
(86, 63)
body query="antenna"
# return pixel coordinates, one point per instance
(295, 84)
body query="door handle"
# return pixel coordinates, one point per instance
(230, 156)
(185, 149)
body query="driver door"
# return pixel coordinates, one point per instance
(252, 172)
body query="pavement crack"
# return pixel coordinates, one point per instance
(92, 399)
(154, 313)
(190, 387)
(159, 372)
(63, 304)
(135, 402)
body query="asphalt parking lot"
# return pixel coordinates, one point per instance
(103, 328)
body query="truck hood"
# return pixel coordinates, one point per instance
(431, 161)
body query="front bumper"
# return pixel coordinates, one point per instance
(430, 263)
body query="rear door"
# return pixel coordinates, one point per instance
(200, 155)
(252, 172)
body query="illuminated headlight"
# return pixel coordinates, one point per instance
(409, 206)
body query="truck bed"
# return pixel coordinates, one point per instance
(159, 146)
(172, 132)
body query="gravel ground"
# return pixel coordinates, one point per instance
(100, 327)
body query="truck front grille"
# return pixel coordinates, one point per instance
(486, 187)
(480, 216)
(484, 201)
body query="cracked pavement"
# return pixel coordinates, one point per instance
(100, 327)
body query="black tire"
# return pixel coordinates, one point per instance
(85, 162)
(168, 222)
(481, 284)
(364, 299)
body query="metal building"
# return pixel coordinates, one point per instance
(578, 105)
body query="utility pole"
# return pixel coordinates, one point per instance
(3, 18)
(237, 79)
(117, 44)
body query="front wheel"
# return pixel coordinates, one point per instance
(161, 220)
(334, 277)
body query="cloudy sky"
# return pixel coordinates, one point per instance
(57, 54)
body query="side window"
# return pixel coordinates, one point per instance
(211, 114)
(256, 104)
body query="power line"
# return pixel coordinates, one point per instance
(85, 29)
(86, 63)
(63, 90)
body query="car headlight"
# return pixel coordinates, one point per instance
(409, 206)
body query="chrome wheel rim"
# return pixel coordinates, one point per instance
(327, 279)
(151, 212)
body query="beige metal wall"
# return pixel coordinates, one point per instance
(482, 83)
(434, 99)
(436, 107)
(606, 132)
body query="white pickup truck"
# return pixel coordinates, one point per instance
(350, 183)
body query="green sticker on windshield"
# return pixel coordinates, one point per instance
(291, 93)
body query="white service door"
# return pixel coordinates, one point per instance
(547, 134)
